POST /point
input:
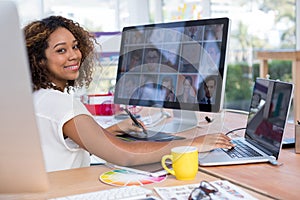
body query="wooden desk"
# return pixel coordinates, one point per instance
(294, 56)
(279, 182)
(83, 180)
(263, 181)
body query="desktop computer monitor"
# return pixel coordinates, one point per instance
(177, 65)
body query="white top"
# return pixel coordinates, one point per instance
(53, 109)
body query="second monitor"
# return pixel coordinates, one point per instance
(178, 65)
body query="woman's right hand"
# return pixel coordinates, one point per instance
(125, 126)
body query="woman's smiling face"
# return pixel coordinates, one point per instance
(63, 57)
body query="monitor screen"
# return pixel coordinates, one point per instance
(179, 65)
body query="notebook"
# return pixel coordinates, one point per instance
(21, 164)
(267, 117)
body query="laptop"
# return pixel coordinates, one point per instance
(22, 167)
(262, 142)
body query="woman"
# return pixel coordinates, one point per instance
(60, 53)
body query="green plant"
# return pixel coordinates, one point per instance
(238, 83)
(278, 69)
(240, 79)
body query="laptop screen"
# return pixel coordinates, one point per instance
(268, 112)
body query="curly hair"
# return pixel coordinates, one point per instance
(37, 34)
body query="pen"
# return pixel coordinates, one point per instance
(136, 122)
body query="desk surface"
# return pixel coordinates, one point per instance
(75, 181)
(278, 182)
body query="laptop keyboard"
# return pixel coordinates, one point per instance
(241, 150)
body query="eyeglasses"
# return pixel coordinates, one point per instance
(204, 191)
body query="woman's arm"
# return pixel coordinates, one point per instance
(86, 132)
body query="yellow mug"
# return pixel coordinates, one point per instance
(184, 162)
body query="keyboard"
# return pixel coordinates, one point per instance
(241, 150)
(120, 193)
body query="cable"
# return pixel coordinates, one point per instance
(237, 129)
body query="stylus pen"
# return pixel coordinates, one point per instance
(136, 122)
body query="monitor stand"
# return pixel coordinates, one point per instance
(182, 120)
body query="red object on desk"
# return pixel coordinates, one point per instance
(101, 104)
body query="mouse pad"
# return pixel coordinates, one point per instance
(122, 177)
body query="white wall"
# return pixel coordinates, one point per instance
(137, 12)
